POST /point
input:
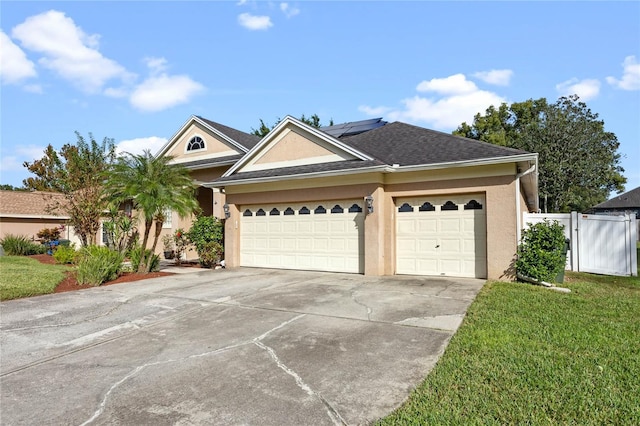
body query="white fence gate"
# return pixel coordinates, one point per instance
(600, 244)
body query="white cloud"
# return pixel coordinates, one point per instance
(30, 152)
(454, 100)
(164, 91)
(14, 65)
(495, 77)
(586, 89)
(33, 88)
(20, 154)
(452, 85)
(630, 75)
(289, 11)
(11, 163)
(253, 22)
(156, 65)
(68, 51)
(378, 111)
(138, 145)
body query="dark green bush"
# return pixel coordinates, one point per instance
(134, 256)
(65, 254)
(205, 230)
(541, 253)
(98, 265)
(210, 254)
(21, 245)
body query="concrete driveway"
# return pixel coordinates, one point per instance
(243, 346)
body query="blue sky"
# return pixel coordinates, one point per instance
(136, 71)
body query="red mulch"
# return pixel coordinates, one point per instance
(69, 283)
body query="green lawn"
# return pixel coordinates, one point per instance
(22, 277)
(527, 355)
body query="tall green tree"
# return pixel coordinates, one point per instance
(578, 159)
(313, 121)
(77, 171)
(154, 185)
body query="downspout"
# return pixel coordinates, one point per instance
(518, 209)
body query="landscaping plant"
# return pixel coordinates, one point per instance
(66, 254)
(541, 253)
(135, 256)
(204, 231)
(21, 245)
(181, 242)
(98, 265)
(210, 254)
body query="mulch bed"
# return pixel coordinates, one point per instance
(69, 283)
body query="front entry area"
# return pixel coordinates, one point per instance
(318, 236)
(443, 235)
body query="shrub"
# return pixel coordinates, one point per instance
(98, 265)
(50, 234)
(136, 253)
(210, 254)
(205, 230)
(65, 254)
(182, 243)
(541, 253)
(21, 245)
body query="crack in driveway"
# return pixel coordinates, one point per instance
(256, 340)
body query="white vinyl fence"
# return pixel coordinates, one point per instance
(600, 244)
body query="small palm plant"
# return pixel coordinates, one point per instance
(154, 185)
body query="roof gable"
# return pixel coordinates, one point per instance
(201, 140)
(293, 143)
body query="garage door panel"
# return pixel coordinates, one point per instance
(318, 241)
(427, 225)
(441, 241)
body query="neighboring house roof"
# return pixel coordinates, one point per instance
(628, 200)
(26, 204)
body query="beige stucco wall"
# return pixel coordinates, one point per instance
(292, 146)
(213, 144)
(498, 188)
(30, 227)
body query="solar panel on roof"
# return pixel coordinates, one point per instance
(354, 127)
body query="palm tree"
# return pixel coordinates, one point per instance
(154, 185)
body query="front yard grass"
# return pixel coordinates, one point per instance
(527, 355)
(22, 277)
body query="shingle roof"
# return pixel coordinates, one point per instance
(395, 143)
(245, 139)
(408, 145)
(212, 162)
(29, 204)
(303, 170)
(628, 200)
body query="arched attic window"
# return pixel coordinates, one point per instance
(196, 143)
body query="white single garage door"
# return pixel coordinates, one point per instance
(444, 235)
(319, 236)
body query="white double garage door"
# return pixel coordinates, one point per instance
(434, 236)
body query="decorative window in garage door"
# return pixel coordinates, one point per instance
(441, 235)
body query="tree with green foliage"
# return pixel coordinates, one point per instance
(77, 171)
(579, 163)
(154, 185)
(7, 187)
(313, 121)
